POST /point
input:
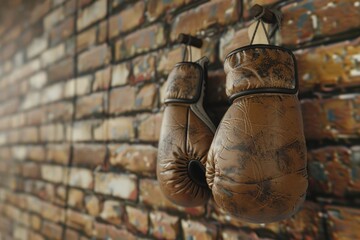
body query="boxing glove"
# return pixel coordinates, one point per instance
(256, 165)
(185, 137)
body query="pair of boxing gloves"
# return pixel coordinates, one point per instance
(254, 163)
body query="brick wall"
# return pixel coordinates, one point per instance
(81, 89)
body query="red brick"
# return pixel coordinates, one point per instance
(62, 31)
(144, 68)
(89, 155)
(343, 222)
(94, 58)
(61, 70)
(102, 79)
(149, 126)
(140, 159)
(309, 19)
(140, 41)
(146, 99)
(127, 19)
(92, 14)
(214, 12)
(90, 105)
(122, 99)
(329, 67)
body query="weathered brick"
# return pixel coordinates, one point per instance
(29, 135)
(31, 170)
(89, 155)
(52, 132)
(140, 41)
(59, 111)
(79, 86)
(168, 60)
(37, 46)
(53, 18)
(76, 198)
(58, 153)
(238, 234)
(81, 178)
(138, 219)
(198, 230)
(102, 31)
(127, 19)
(90, 105)
(92, 205)
(164, 226)
(61, 70)
(51, 230)
(342, 222)
(38, 80)
(140, 159)
(156, 8)
(102, 79)
(120, 74)
(55, 174)
(104, 231)
(40, 11)
(149, 126)
(80, 221)
(332, 118)
(31, 100)
(146, 99)
(52, 55)
(94, 58)
(144, 68)
(214, 12)
(231, 40)
(329, 67)
(52, 93)
(36, 153)
(82, 131)
(117, 185)
(112, 212)
(122, 99)
(25, 70)
(92, 14)
(62, 31)
(312, 19)
(86, 39)
(35, 222)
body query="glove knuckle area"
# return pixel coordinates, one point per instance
(259, 155)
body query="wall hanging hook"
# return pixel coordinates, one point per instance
(189, 41)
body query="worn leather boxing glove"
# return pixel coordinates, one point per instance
(186, 135)
(256, 165)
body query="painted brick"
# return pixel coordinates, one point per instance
(214, 12)
(117, 185)
(310, 19)
(120, 74)
(112, 212)
(127, 19)
(122, 99)
(329, 67)
(62, 31)
(342, 222)
(140, 159)
(140, 41)
(198, 230)
(61, 70)
(138, 219)
(90, 105)
(94, 58)
(164, 226)
(86, 39)
(144, 68)
(52, 55)
(92, 14)
(149, 126)
(102, 79)
(89, 155)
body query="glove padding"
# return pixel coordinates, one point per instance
(185, 138)
(256, 165)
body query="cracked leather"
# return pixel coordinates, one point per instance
(256, 165)
(184, 137)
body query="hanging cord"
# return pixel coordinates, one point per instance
(259, 20)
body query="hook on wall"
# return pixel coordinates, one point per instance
(189, 41)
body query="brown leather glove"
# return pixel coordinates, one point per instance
(256, 165)
(186, 135)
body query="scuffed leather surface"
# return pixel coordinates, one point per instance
(184, 137)
(256, 165)
(259, 68)
(184, 82)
